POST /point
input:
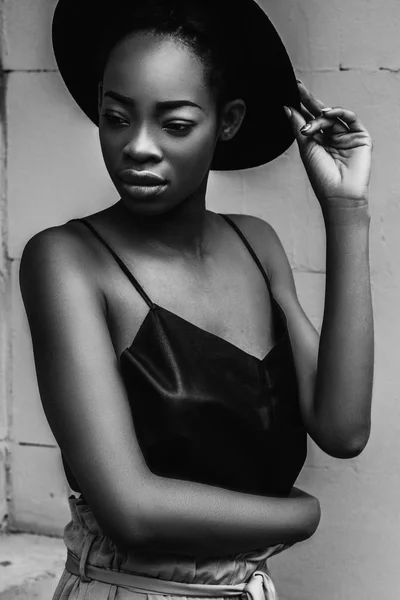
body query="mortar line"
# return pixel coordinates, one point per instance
(6, 348)
(29, 71)
(37, 445)
(341, 68)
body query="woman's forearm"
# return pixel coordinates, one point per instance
(197, 519)
(343, 390)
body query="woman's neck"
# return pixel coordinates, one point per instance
(183, 230)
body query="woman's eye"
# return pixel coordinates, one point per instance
(179, 127)
(113, 119)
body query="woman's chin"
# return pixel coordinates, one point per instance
(145, 204)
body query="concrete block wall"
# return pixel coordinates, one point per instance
(51, 170)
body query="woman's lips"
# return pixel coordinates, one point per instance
(141, 178)
(142, 184)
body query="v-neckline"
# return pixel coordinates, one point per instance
(153, 307)
(221, 340)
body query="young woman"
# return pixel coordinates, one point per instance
(177, 370)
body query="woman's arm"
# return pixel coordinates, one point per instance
(340, 415)
(336, 151)
(87, 408)
(334, 372)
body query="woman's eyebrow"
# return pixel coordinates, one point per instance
(166, 104)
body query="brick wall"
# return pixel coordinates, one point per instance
(348, 53)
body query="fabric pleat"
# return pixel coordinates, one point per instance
(89, 545)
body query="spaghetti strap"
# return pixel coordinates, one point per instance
(120, 262)
(250, 249)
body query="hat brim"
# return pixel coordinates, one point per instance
(270, 80)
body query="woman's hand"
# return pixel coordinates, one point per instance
(336, 151)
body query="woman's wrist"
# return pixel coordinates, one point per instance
(343, 213)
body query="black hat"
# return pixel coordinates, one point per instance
(84, 30)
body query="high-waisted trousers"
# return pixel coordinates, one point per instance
(98, 569)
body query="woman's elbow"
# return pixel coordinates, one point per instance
(130, 531)
(126, 518)
(350, 447)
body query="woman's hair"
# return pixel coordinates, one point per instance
(195, 23)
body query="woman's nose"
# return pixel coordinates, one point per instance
(142, 146)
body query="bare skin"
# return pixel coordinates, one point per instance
(77, 344)
(83, 312)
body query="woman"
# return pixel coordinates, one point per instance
(176, 368)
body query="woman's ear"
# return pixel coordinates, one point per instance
(232, 116)
(99, 96)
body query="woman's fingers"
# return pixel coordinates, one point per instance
(298, 120)
(318, 137)
(321, 124)
(312, 109)
(311, 103)
(306, 113)
(338, 119)
(347, 117)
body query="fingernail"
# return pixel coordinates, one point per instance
(299, 81)
(306, 127)
(324, 110)
(287, 111)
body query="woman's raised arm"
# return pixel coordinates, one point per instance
(86, 405)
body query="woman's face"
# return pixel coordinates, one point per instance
(156, 115)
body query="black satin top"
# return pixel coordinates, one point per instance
(204, 410)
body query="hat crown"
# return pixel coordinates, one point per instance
(242, 36)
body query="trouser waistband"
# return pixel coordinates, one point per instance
(258, 587)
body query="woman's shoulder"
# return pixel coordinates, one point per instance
(270, 251)
(62, 247)
(55, 259)
(252, 225)
(262, 237)
(64, 240)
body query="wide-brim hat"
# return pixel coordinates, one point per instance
(84, 28)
